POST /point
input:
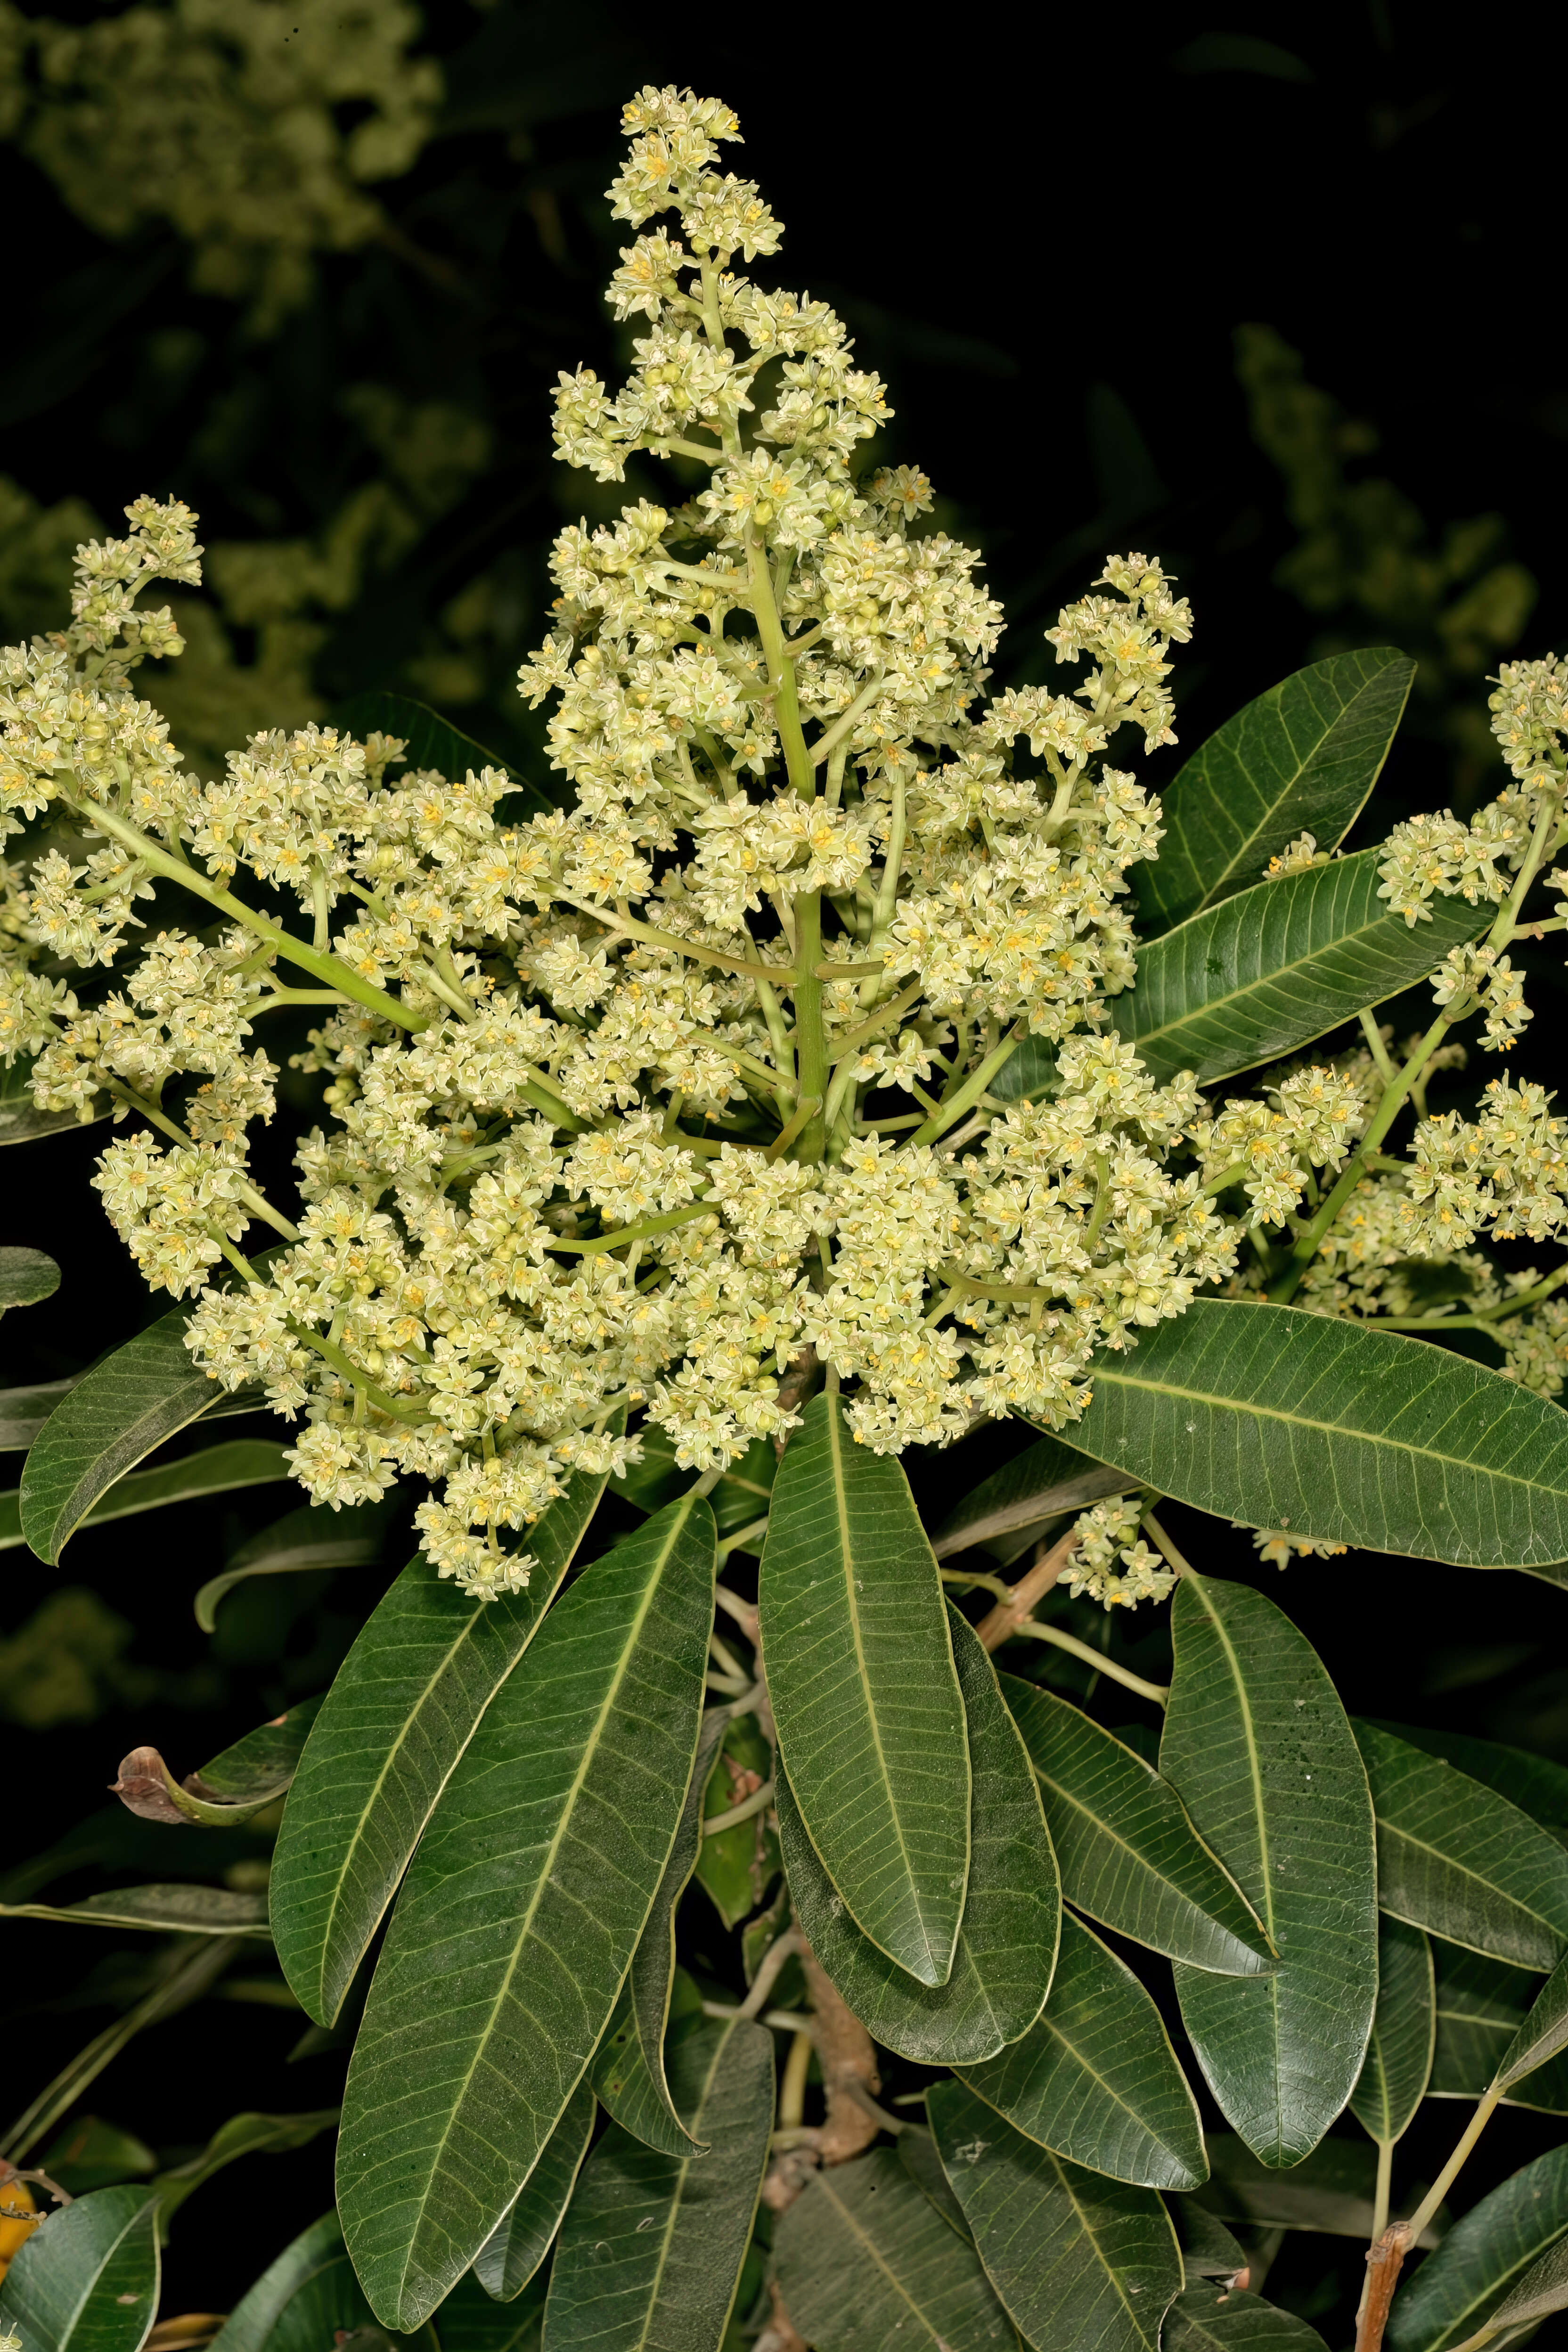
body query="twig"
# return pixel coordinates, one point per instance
(1384, 2260)
(999, 1624)
(754, 1803)
(1158, 1692)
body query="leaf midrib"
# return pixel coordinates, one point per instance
(1467, 1871)
(1115, 2096)
(853, 2225)
(677, 2199)
(109, 2252)
(1097, 1823)
(1087, 2226)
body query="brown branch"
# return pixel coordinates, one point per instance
(1383, 2262)
(1003, 1621)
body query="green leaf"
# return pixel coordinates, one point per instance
(262, 1764)
(395, 1723)
(1095, 2077)
(1007, 1510)
(24, 1411)
(1543, 2290)
(917, 2154)
(866, 2264)
(1076, 2259)
(1028, 1072)
(21, 1120)
(1533, 1783)
(131, 1401)
(1007, 1941)
(1404, 2034)
(1208, 2319)
(432, 741)
(1208, 2249)
(628, 2073)
(1481, 2004)
(245, 2135)
(1278, 965)
(865, 1692)
(92, 2154)
(1543, 2034)
(741, 1495)
(1129, 1854)
(1461, 1861)
(512, 2255)
(734, 1867)
(87, 2279)
(652, 2245)
(309, 1539)
(301, 2301)
(164, 1910)
(1482, 2259)
(1261, 1752)
(1330, 2191)
(1282, 1418)
(26, 1277)
(1301, 759)
(469, 2320)
(521, 1912)
(243, 1462)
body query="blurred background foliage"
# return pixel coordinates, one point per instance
(1274, 310)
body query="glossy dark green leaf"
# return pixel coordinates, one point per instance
(1095, 2077)
(1404, 2033)
(1028, 1073)
(652, 2245)
(1543, 2290)
(1281, 1418)
(865, 1692)
(735, 1867)
(512, 2255)
(431, 741)
(628, 2073)
(1129, 1854)
(313, 1538)
(26, 1276)
(1533, 1783)
(92, 2154)
(24, 1411)
(469, 2320)
(1301, 759)
(741, 1495)
(302, 2300)
(1208, 2249)
(1481, 2004)
(1542, 2034)
(866, 2264)
(216, 1470)
(87, 2279)
(1484, 2257)
(917, 2154)
(134, 1400)
(1076, 2259)
(1332, 2190)
(1458, 1859)
(1212, 2319)
(262, 1764)
(1278, 965)
(398, 1716)
(245, 2135)
(1006, 1511)
(522, 1908)
(1259, 1751)
(171, 1910)
(1007, 1942)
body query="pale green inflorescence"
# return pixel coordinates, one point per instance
(634, 1105)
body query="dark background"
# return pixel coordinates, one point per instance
(1046, 231)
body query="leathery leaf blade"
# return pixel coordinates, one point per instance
(1095, 2077)
(301, 2301)
(1278, 965)
(867, 2263)
(395, 1723)
(864, 1693)
(1075, 2258)
(628, 2073)
(652, 2245)
(515, 2248)
(1211, 2317)
(1129, 1854)
(1007, 1942)
(1301, 759)
(1404, 2033)
(1458, 1859)
(87, 2280)
(1259, 1749)
(1483, 2258)
(521, 1911)
(1281, 1418)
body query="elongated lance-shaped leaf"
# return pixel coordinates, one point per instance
(1301, 759)
(103, 1426)
(87, 2279)
(1484, 2257)
(1261, 1752)
(628, 2073)
(1543, 2290)
(1480, 2006)
(264, 1761)
(1282, 1418)
(521, 1912)
(1095, 2077)
(26, 1276)
(917, 2154)
(864, 1693)
(866, 2264)
(736, 1865)
(431, 741)
(313, 1538)
(469, 2320)
(1129, 1854)
(216, 1470)
(652, 2245)
(1533, 1783)
(1006, 1510)
(515, 2248)
(1332, 2190)
(395, 1723)
(1543, 2034)
(1007, 1942)
(1211, 2318)
(1461, 1861)
(1398, 2065)
(171, 1910)
(1076, 2259)
(1279, 964)
(245, 2135)
(302, 2300)
(1208, 2249)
